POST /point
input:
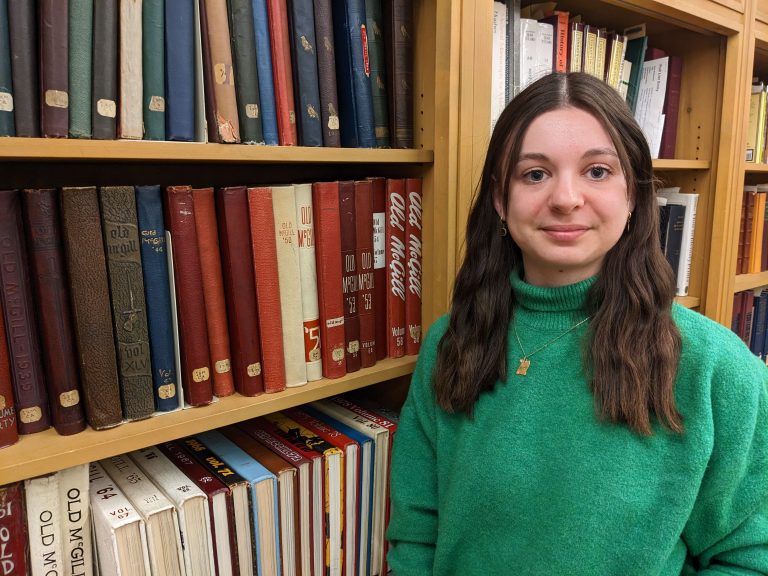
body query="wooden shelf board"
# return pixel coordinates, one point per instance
(751, 168)
(675, 164)
(688, 301)
(750, 281)
(75, 150)
(45, 452)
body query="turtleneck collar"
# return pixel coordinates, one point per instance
(550, 308)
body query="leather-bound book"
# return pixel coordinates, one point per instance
(180, 70)
(129, 309)
(264, 248)
(130, 118)
(398, 18)
(240, 288)
(14, 523)
(22, 23)
(20, 322)
(396, 267)
(379, 193)
(9, 429)
(105, 69)
(51, 290)
(244, 59)
(153, 68)
(213, 291)
(7, 122)
(264, 71)
(54, 65)
(91, 312)
(325, 200)
(157, 290)
(349, 274)
(220, 97)
(326, 74)
(281, 72)
(413, 250)
(301, 24)
(190, 302)
(80, 68)
(365, 284)
(374, 26)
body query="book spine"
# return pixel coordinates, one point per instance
(305, 228)
(153, 68)
(325, 199)
(41, 215)
(264, 71)
(7, 122)
(671, 108)
(240, 286)
(105, 68)
(195, 356)
(304, 64)
(213, 291)
(20, 323)
(180, 89)
(77, 544)
(44, 523)
(326, 74)
(365, 271)
(24, 58)
(267, 287)
(281, 70)
(576, 44)
(80, 68)
(54, 74)
(379, 193)
(14, 539)
(154, 262)
(349, 274)
(399, 20)
(244, 60)
(374, 26)
(396, 267)
(9, 428)
(413, 237)
(130, 117)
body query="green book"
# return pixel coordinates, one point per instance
(244, 59)
(7, 125)
(153, 68)
(80, 67)
(377, 57)
(636, 54)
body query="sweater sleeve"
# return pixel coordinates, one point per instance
(727, 532)
(412, 531)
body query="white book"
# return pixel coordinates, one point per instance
(289, 274)
(41, 496)
(544, 49)
(689, 200)
(310, 308)
(159, 515)
(650, 101)
(626, 72)
(76, 521)
(118, 530)
(131, 96)
(191, 508)
(513, 49)
(499, 61)
(529, 43)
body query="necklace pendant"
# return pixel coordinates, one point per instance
(522, 369)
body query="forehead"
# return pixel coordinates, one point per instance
(567, 131)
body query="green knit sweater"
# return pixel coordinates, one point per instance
(535, 483)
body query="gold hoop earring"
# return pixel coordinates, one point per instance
(629, 219)
(502, 228)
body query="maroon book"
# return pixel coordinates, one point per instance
(396, 267)
(349, 277)
(671, 108)
(54, 68)
(379, 193)
(365, 285)
(14, 542)
(9, 430)
(413, 269)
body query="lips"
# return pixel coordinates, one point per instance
(565, 232)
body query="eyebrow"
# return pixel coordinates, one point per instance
(588, 154)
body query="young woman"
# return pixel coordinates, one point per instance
(566, 417)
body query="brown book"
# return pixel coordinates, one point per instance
(379, 192)
(220, 97)
(413, 268)
(398, 23)
(13, 523)
(365, 275)
(240, 287)
(54, 68)
(213, 291)
(129, 308)
(349, 274)
(280, 42)
(326, 74)
(190, 302)
(23, 43)
(51, 289)
(20, 323)
(105, 68)
(9, 429)
(396, 267)
(91, 312)
(131, 116)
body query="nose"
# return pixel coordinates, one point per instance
(566, 195)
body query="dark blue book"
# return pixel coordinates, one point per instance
(154, 263)
(353, 74)
(180, 70)
(760, 320)
(264, 70)
(247, 78)
(306, 85)
(7, 124)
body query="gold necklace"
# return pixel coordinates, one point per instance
(525, 361)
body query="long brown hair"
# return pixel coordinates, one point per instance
(630, 302)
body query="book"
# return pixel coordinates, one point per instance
(282, 74)
(756, 233)
(365, 272)
(7, 120)
(213, 291)
(589, 50)
(753, 126)
(326, 74)
(575, 46)
(22, 31)
(690, 201)
(76, 535)
(672, 218)
(764, 240)
(51, 294)
(54, 74)
(349, 274)
(9, 429)
(379, 192)
(180, 89)
(601, 35)
(119, 532)
(14, 540)
(153, 68)
(396, 266)
(559, 22)
(637, 43)
(413, 248)
(374, 28)
(43, 506)
(80, 68)
(91, 311)
(131, 95)
(304, 48)
(671, 108)
(499, 84)
(244, 62)
(545, 47)
(649, 108)
(264, 71)
(399, 46)
(20, 319)
(105, 69)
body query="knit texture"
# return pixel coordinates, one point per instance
(535, 483)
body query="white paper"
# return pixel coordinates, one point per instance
(650, 101)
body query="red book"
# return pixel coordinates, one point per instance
(9, 432)
(190, 302)
(213, 291)
(671, 107)
(349, 274)
(365, 274)
(379, 193)
(240, 288)
(325, 198)
(413, 259)
(280, 42)
(396, 267)
(14, 544)
(264, 248)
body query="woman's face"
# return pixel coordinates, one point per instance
(568, 202)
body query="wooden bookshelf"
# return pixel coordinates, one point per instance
(675, 164)
(750, 281)
(688, 301)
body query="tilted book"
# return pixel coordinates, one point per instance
(349, 274)
(326, 74)
(44, 509)
(304, 48)
(413, 237)
(180, 70)
(244, 60)
(365, 271)
(23, 49)
(379, 192)
(264, 71)
(281, 72)
(105, 69)
(7, 122)
(153, 68)
(13, 528)
(396, 266)
(54, 75)
(77, 538)
(131, 117)
(9, 428)
(80, 68)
